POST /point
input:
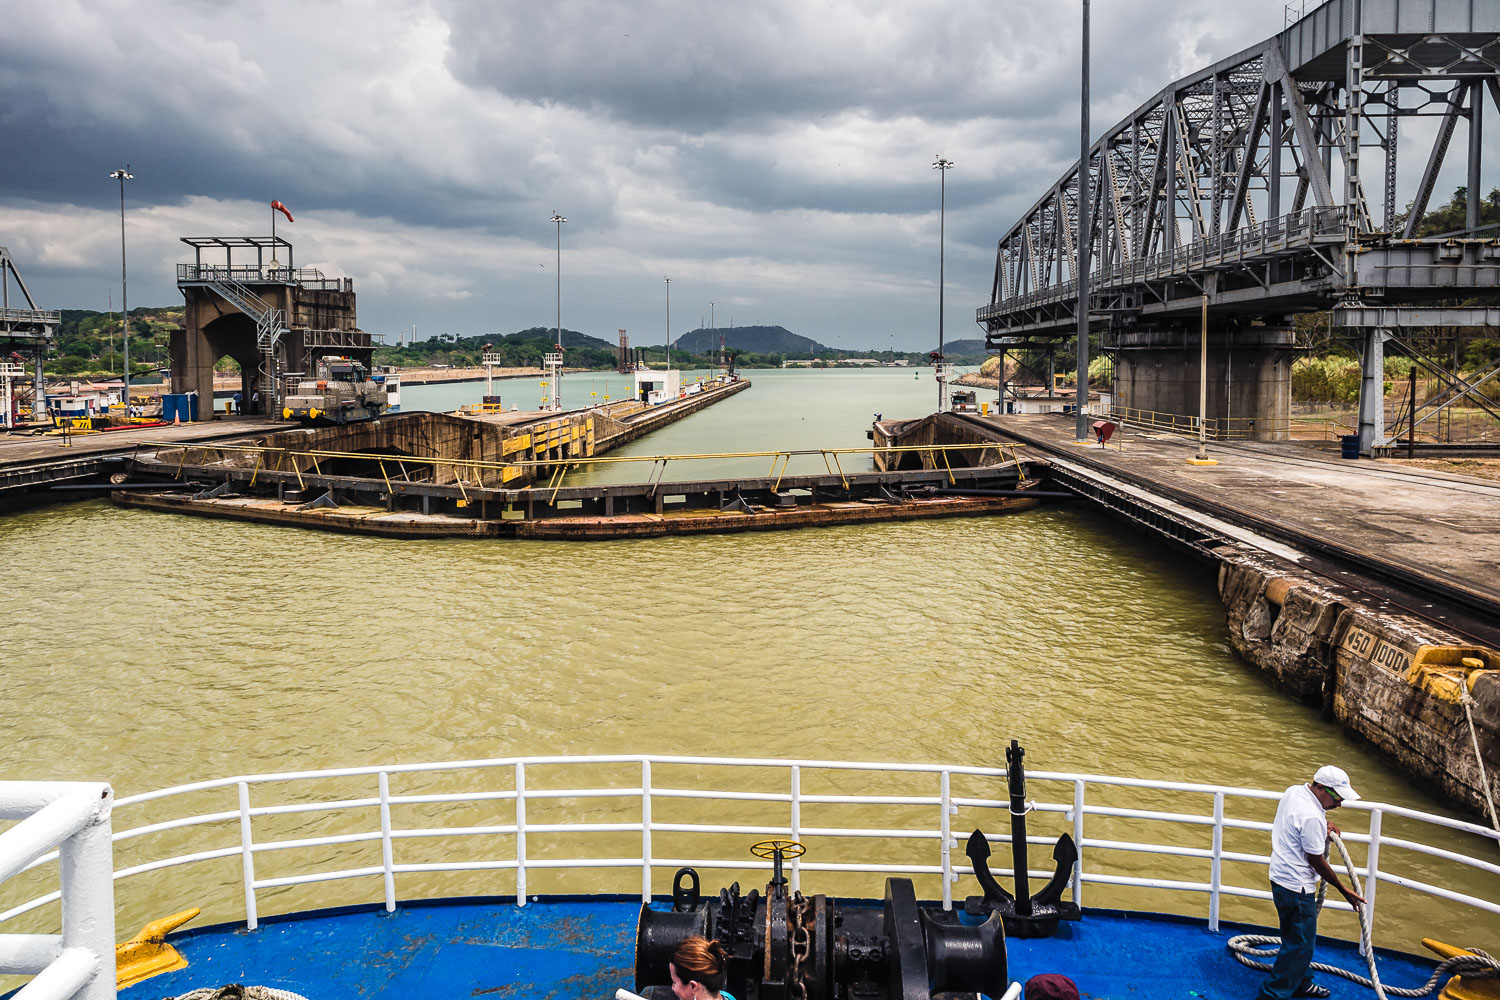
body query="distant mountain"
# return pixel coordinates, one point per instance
(753, 339)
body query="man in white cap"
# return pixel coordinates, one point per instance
(1299, 836)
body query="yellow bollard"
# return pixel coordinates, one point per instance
(147, 954)
(1459, 988)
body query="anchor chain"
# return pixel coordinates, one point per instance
(800, 913)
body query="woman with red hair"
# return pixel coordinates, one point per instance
(698, 968)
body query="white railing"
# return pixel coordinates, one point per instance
(504, 814)
(74, 817)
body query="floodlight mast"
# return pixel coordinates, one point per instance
(942, 165)
(1085, 249)
(668, 282)
(122, 176)
(558, 220)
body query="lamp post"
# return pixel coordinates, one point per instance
(942, 165)
(668, 282)
(122, 176)
(558, 220)
(1081, 402)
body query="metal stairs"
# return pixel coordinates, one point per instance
(270, 323)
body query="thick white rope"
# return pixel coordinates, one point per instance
(1478, 965)
(1467, 700)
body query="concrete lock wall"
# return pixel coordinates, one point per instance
(1392, 682)
(1249, 384)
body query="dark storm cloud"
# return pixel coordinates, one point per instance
(773, 152)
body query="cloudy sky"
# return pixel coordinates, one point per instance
(771, 157)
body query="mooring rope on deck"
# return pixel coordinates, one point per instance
(1467, 700)
(1478, 965)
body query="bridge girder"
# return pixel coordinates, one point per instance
(1243, 182)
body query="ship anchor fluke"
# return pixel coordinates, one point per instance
(1025, 915)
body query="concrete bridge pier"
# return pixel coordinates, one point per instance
(1372, 391)
(1157, 370)
(210, 333)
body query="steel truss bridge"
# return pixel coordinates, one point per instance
(26, 336)
(1266, 184)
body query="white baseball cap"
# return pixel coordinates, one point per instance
(1334, 777)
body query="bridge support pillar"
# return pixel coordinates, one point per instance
(1372, 391)
(193, 359)
(1157, 372)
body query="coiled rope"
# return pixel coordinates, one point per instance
(1479, 965)
(234, 991)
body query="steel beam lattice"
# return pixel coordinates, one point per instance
(1251, 170)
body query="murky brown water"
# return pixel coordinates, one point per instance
(162, 649)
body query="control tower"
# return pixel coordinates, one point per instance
(246, 299)
(28, 333)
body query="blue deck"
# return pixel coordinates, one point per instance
(584, 948)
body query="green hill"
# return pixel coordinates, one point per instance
(523, 349)
(971, 348)
(750, 339)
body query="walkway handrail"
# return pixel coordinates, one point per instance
(941, 834)
(511, 468)
(161, 446)
(74, 817)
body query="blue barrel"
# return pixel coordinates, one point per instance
(1349, 446)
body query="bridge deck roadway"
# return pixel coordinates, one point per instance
(1424, 530)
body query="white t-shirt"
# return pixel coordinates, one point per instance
(1300, 829)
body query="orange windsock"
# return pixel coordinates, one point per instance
(278, 206)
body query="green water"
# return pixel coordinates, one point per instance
(149, 650)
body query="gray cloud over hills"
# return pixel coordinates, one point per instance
(772, 157)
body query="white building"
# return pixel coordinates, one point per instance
(655, 386)
(1037, 399)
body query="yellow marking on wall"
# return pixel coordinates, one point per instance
(511, 445)
(1441, 671)
(1368, 646)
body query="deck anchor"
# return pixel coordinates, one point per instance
(1025, 915)
(736, 505)
(326, 500)
(215, 491)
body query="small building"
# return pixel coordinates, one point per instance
(655, 386)
(84, 400)
(1039, 399)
